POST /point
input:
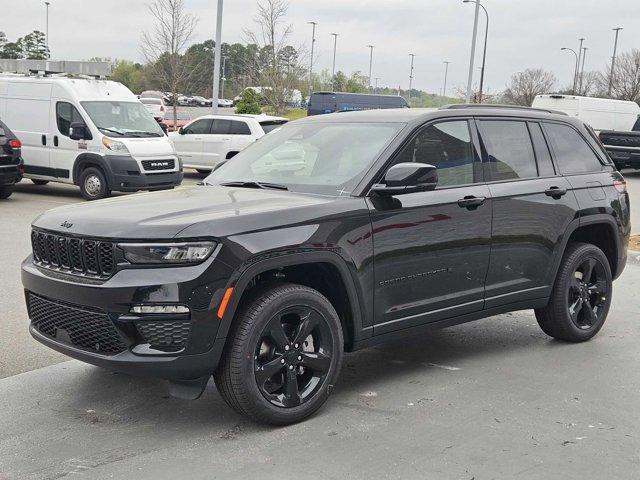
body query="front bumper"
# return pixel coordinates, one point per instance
(124, 175)
(193, 286)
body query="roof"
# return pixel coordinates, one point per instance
(79, 89)
(231, 116)
(559, 96)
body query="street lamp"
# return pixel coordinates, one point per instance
(371, 47)
(224, 74)
(446, 71)
(413, 56)
(579, 79)
(47, 28)
(613, 59)
(333, 69)
(216, 60)
(313, 41)
(575, 72)
(473, 51)
(584, 54)
(484, 53)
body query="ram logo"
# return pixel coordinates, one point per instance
(159, 164)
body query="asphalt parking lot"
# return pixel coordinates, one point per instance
(490, 399)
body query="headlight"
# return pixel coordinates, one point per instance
(115, 146)
(167, 253)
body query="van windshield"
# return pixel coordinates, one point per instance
(122, 119)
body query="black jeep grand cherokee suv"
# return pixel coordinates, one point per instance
(332, 234)
(11, 167)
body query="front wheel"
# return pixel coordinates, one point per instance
(6, 191)
(93, 184)
(581, 296)
(283, 356)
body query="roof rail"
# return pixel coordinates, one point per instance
(50, 67)
(459, 106)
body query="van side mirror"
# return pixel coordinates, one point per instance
(79, 131)
(407, 177)
(181, 131)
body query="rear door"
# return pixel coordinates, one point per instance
(532, 208)
(217, 143)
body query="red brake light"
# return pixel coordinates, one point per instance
(15, 143)
(620, 186)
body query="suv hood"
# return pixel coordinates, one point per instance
(163, 215)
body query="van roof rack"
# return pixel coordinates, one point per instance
(460, 106)
(51, 67)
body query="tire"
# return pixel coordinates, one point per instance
(93, 184)
(6, 191)
(266, 339)
(580, 300)
(203, 172)
(39, 182)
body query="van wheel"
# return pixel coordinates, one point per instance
(93, 184)
(39, 182)
(283, 356)
(6, 191)
(581, 296)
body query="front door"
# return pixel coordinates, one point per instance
(189, 143)
(431, 249)
(64, 151)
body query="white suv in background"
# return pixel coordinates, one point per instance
(208, 141)
(155, 106)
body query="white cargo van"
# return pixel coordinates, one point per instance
(91, 133)
(600, 113)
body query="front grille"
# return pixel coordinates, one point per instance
(165, 334)
(75, 255)
(83, 328)
(151, 165)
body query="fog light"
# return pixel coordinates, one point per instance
(154, 309)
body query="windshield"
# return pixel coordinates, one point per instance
(324, 158)
(123, 119)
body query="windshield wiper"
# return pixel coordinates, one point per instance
(111, 130)
(141, 133)
(263, 185)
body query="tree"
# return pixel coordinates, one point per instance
(248, 103)
(34, 46)
(277, 62)
(129, 74)
(164, 47)
(340, 81)
(12, 50)
(357, 83)
(524, 86)
(626, 77)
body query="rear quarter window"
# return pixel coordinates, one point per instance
(572, 152)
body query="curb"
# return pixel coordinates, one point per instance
(633, 257)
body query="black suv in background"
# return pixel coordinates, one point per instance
(332, 234)
(11, 168)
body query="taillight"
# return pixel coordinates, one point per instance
(15, 143)
(620, 186)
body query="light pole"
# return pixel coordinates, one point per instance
(224, 74)
(473, 51)
(333, 69)
(377, 78)
(313, 41)
(584, 54)
(216, 60)
(613, 59)
(413, 56)
(484, 52)
(446, 71)
(47, 28)
(578, 80)
(371, 47)
(575, 71)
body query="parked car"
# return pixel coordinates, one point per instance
(617, 123)
(11, 167)
(155, 106)
(198, 101)
(331, 234)
(92, 133)
(184, 101)
(182, 119)
(328, 102)
(151, 94)
(211, 140)
(224, 102)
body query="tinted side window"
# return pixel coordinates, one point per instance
(509, 149)
(239, 128)
(447, 146)
(199, 127)
(572, 152)
(543, 156)
(66, 114)
(221, 127)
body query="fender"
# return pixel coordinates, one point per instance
(91, 158)
(590, 220)
(289, 259)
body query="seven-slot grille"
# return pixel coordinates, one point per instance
(167, 164)
(81, 327)
(75, 255)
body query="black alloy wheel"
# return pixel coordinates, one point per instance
(588, 293)
(293, 356)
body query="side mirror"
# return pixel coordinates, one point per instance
(408, 178)
(78, 131)
(181, 131)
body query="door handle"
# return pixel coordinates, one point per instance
(471, 202)
(555, 192)
(55, 140)
(44, 139)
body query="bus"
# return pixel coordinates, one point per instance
(329, 102)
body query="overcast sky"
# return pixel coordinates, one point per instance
(522, 33)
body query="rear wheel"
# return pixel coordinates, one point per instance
(93, 184)
(6, 191)
(39, 182)
(283, 356)
(581, 295)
